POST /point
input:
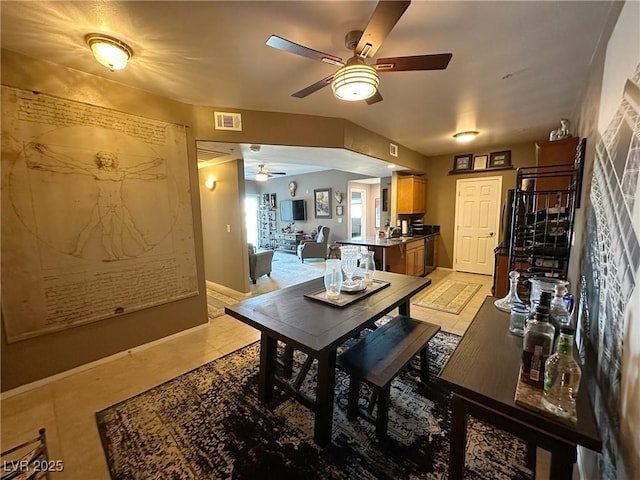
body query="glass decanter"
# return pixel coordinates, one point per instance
(505, 303)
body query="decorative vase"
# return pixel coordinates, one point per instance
(333, 278)
(349, 257)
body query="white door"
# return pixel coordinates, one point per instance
(476, 224)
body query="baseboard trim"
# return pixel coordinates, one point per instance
(67, 373)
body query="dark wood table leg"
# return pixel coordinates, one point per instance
(530, 461)
(562, 461)
(405, 309)
(323, 426)
(424, 364)
(288, 361)
(268, 354)
(457, 438)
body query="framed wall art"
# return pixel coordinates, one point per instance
(463, 162)
(500, 159)
(339, 210)
(322, 202)
(480, 162)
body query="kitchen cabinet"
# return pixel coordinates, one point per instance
(412, 194)
(407, 258)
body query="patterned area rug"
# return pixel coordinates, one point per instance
(449, 296)
(208, 424)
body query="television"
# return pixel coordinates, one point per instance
(292, 210)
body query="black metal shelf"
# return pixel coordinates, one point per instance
(542, 221)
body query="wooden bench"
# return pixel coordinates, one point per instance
(378, 358)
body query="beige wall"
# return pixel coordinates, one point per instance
(29, 360)
(225, 254)
(441, 190)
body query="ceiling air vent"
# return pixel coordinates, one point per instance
(228, 121)
(393, 149)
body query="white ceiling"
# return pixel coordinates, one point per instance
(517, 67)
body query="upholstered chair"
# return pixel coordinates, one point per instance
(259, 263)
(317, 248)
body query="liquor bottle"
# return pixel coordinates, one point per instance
(558, 312)
(562, 376)
(537, 344)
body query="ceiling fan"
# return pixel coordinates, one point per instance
(355, 79)
(263, 174)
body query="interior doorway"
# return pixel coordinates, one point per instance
(357, 213)
(477, 221)
(251, 218)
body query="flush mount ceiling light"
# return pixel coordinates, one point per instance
(462, 137)
(109, 51)
(355, 81)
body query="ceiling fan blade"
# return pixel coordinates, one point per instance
(288, 46)
(313, 88)
(417, 62)
(384, 18)
(375, 99)
(277, 173)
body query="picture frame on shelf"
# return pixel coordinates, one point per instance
(463, 162)
(500, 159)
(480, 162)
(322, 202)
(339, 210)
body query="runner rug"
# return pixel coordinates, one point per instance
(449, 296)
(209, 424)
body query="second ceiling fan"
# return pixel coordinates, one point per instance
(355, 79)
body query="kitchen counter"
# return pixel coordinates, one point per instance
(385, 242)
(393, 253)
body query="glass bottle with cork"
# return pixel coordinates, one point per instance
(537, 343)
(559, 314)
(562, 376)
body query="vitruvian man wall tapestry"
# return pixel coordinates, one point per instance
(96, 213)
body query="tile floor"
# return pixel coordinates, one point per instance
(66, 406)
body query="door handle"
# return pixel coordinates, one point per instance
(489, 236)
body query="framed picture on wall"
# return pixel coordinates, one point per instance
(272, 200)
(480, 162)
(500, 159)
(462, 163)
(339, 210)
(322, 202)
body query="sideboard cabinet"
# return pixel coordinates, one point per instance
(288, 242)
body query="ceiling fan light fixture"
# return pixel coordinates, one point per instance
(109, 51)
(463, 137)
(355, 81)
(261, 177)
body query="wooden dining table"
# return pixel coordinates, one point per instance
(317, 329)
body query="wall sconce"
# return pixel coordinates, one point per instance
(109, 51)
(210, 183)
